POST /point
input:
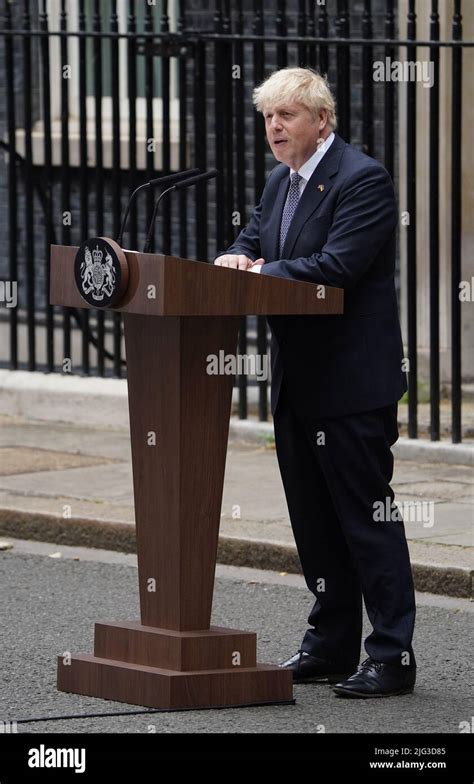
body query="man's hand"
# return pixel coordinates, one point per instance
(256, 265)
(236, 262)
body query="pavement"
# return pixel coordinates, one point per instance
(52, 604)
(71, 485)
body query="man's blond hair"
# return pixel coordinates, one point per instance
(296, 84)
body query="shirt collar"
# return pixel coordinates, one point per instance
(307, 169)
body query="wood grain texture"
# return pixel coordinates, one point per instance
(159, 688)
(178, 481)
(216, 648)
(192, 288)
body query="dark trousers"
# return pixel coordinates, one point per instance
(333, 471)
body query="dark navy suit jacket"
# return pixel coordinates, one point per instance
(342, 234)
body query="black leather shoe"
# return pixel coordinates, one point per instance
(309, 669)
(377, 679)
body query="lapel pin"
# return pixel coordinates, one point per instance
(320, 188)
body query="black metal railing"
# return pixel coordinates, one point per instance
(96, 104)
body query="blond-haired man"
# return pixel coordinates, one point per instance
(328, 216)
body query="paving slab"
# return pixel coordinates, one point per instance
(73, 485)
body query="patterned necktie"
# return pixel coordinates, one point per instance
(291, 204)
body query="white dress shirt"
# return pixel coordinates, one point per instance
(305, 172)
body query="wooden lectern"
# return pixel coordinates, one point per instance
(176, 313)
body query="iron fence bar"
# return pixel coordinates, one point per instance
(65, 182)
(219, 66)
(259, 180)
(323, 29)
(116, 173)
(83, 173)
(456, 221)
(200, 132)
(132, 124)
(389, 95)
(29, 214)
(434, 230)
(411, 236)
(183, 133)
(281, 37)
(240, 181)
(165, 244)
(12, 184)
(301, 22)
(99, 170)
(228, 174)
(367, 82)
(47, 150)
(343, 72)
(311, 50)
(150, 132)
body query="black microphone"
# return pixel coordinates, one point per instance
(208, 175)
(166, 180)
(182, 184)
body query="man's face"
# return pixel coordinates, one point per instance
(292, 133)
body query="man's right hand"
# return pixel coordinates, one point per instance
(231, 260)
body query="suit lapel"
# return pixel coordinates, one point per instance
(316, 190)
